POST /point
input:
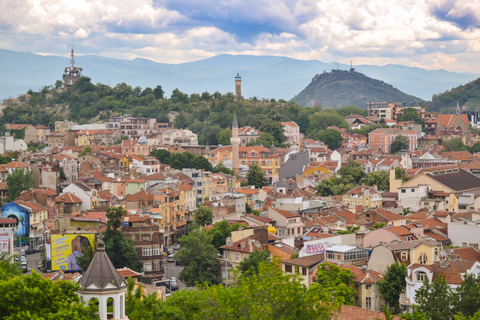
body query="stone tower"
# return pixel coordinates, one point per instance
(235, 141)
(102, 282)
(238, 86)
(72, 73)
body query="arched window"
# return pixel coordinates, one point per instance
(422, 259)
(404, 256)
(421, 276)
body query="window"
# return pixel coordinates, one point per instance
(412, 190)
(288, 268)
(421, 276)
(368, 286)
(237, 257)
(156, 265)
(147, 266)
(368, 303)
(145, 237)
(331, 255)
(373, 138)
(146, 252)
(304, 271)
(156, 251)
(403, 190)
(225, 255)
(422, 259)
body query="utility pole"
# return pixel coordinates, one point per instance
(226, 271)
(375, 292)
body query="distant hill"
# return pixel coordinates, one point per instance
(467, 96)
(262, 76)
(340, 88)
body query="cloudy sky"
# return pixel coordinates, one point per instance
(432, 34)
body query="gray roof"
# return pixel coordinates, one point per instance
(101, 273)
(458, 181)
(235, 123)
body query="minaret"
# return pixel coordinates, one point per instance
(102, 282)
(458, 111)
(235, 141)
(238, 86)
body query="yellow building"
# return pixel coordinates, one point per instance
(365, 196)
(416, 251)
(317, 170)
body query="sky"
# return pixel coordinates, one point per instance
(431, 34)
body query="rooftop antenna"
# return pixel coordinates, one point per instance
(72, 60)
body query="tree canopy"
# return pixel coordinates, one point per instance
(256, 176)
(17, 182)
(203, 216)
(393, 283)
(199, 257)
(251, 263)
(400, 143)
(120, 249)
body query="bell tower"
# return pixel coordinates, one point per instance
(238, 86)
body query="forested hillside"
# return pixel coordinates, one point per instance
(208, 115)
(342, 88)
(467, 96)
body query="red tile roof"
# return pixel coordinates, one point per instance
(68, 198)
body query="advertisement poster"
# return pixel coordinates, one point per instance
(5, 241)
(22, 216)
(66, 249)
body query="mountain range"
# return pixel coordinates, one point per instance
(262, 76)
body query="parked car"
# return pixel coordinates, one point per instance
(178, 262)
(170, 251)
(23, 258)
(24, 267)
(31, 251)
(173, 283)
(170, 258)
(176, 247)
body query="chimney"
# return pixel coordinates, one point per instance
(250, 244)
(242, 245)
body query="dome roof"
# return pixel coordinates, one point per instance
(142, 140)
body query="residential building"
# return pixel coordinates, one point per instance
(25, 132)
(9, 143)
(67, 204)
(247, 135)
(382, 110)
(288, 224)
(291, 130)
(451, 126)
(306, 267)
(61, 139)
(368, 295)
(132, 127)
(181, 137)
(368, 197)
(148, 240)
(382, 138)
(89, 196)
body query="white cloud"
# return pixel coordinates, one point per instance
(412, 32)
(81, 34)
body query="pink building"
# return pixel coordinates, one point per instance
(382, 138)
(291, 130)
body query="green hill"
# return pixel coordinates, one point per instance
(467, 96)
(340, 88)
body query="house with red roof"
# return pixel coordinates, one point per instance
(67, 203)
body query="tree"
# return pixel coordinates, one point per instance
(454, 144)
(199, 257)
(8, 268)
(268, 295)
(121, 250)
(158, 92)
(162, 155)
(265, 139)
(250, 264)
(83, 261)
(17, 182)
(354, 170)
(336, 282)
(335, 186)
(411, 114)
(32, 297)
(393, 283)
(85, 150)
(220, 168)
(223, 137)
(434, 300)
(381, 179)
(274, 128)
(256, 176)
(220, 232)
(466, 298)
(203, 216)
(331, 137)
(400, 143)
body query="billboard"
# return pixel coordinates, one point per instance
(6, 239)
(66, 248)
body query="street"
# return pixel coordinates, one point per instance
(32, 262)
(171, 270)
